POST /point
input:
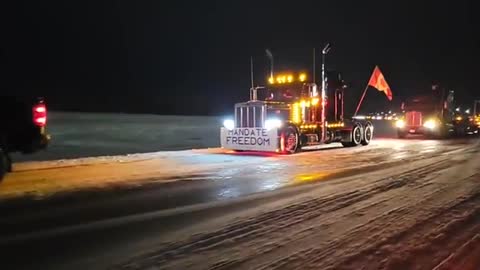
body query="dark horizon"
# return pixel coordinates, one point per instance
(172, 58)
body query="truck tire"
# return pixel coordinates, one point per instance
(367, 134)
(401, 134)
(440, 134)
(290, 140)
(356, 137)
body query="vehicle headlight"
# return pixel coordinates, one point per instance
(400, 123)
(229, 124)
(273, 123)
(430, 124)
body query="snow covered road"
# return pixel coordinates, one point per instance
(412, 216)
(237, 173)
(396, 204)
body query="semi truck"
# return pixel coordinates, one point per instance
(433, 114)
(292, 113)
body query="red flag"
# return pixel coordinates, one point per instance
(378, 81)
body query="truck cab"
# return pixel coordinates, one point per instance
(289, 114)
(432, 114)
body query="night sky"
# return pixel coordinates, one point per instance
(193, 57)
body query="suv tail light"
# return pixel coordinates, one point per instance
(40, 115)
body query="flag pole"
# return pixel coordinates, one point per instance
(361, 100)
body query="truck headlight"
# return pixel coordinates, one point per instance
(273, 123)
(229, 124)
(430, 124)
(400, 123)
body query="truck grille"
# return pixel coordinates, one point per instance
(414, 119)
(249, 115)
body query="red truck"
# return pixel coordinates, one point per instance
(433, 115)
(291, 114)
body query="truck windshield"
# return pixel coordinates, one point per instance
(422, 104)
(283, 93)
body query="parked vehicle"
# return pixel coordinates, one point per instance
(23, 124)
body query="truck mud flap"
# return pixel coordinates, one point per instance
(346, 135)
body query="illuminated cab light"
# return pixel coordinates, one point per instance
(315, 101)
(289, 78)
(302, 77)
(336, 125)
(295, 113)
(271, 80)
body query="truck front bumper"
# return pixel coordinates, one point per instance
(250, 139)
(415, 130)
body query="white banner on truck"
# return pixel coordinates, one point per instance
(254, 139)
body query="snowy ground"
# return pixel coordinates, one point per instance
(395, 204)
(423, 214)
(46, 178)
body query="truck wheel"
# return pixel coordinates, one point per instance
(442, 133)
(401, 134)
(356, 137)
(367, 134)
(290, 140)
(4, 164)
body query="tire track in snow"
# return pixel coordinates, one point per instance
(467, 257)
(378, 228)
(426, 242)
(279, 220)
